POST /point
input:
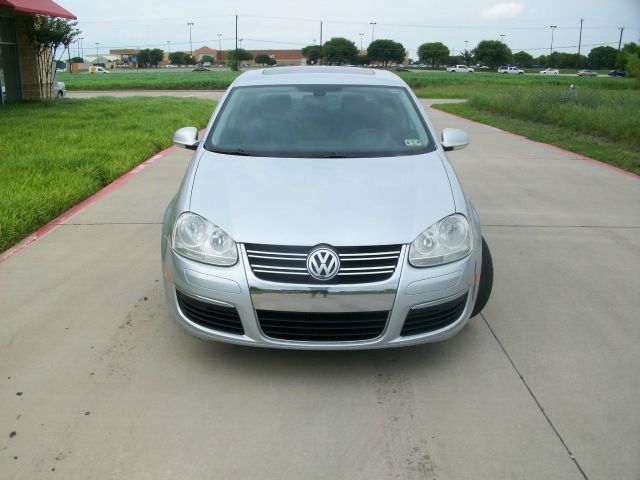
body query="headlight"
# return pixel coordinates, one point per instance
(443, 242)
(197, 238)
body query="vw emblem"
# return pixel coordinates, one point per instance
(323, 263)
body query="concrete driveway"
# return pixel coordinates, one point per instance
(98, 383)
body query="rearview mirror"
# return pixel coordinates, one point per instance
(454, 139)
(186, 137)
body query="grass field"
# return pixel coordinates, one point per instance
(149, 80)
(426, 85)
(599, 123)
(53, 157)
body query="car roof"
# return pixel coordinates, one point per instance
(318, 75)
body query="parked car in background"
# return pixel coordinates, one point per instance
(617, 73)
(460, 69)
(98, 69)
(206, 64)
(400, 68)
(171, 65)
(587, 73)
(58, 90)
(200, 68)
(511, 71)
(404, 264)
(550, 71)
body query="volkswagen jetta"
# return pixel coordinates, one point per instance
(320, 211)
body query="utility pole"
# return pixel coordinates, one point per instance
(553, 29)
(190, 24)
(80, 47)
(620, 41)
(373, 29)
(321, 45)
(97, 43)
(219, 49)
(236, 55)
(361, 50)
(580, 43)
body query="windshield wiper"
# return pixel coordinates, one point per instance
(237, 151)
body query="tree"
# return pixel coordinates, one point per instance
(178, 58)
(77, 60)
(523, 59)
(206, 58)
(467, 57)
(433, 53)
(603, 57)
(239, 55)
(339, 50)
(48, 35)
(633, 65)
(265, 60)
(150, 57)
(363, 60)
(312, 53)
(492, 53)
(385, 51)
(623, 56)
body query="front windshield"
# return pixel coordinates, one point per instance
(319, 121)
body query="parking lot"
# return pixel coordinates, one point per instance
(98, 383)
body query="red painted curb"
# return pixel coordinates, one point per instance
(569, 152)
(56, 222)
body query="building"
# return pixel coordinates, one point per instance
(19, 79)
(283, 57)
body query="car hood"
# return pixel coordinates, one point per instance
(307, 201)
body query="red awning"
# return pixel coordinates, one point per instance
(41, 7)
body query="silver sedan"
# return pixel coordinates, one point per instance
(320, 211)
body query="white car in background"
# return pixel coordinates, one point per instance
(550, 71)
(460, 69)
(511, 71)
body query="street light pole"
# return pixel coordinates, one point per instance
(361, 50)
(190, 24)
(620, 41)
(373, 29)
(219, 49)
(97, 57)
(236, 55)
(553, 29)
(580, 43)
(321, 46)
(240, 41)
(502, 35)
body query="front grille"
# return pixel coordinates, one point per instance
(429, 319)
(288, 264)
(322, 327)
(210, 315)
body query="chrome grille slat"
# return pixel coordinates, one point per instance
(284, 263)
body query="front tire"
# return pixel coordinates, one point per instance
(486, 280)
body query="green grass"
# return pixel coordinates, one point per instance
(149, 80)
(53, 157)
(601, 124)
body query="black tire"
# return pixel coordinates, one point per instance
(486, 280)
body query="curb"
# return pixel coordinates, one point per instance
(568, 152)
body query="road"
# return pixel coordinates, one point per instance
(98, 383)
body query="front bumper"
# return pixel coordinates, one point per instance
(409, 288)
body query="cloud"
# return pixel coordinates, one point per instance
(503, 10)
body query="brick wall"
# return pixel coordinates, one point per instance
(27, 60)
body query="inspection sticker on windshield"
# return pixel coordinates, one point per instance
(412, 142)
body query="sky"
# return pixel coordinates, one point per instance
(284, 24)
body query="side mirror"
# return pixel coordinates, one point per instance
(186, 137)
(454, 139)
